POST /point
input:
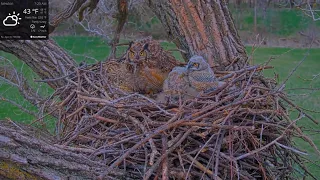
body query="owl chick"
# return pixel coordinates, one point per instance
(177, 86)
(177, 81)
(200, 74)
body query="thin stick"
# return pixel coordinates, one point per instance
(269, 144)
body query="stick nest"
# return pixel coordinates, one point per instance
(229, 133)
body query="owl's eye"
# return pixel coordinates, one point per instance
(131, 54)
(142, 53)
(196, 65)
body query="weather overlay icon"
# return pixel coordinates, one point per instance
(24, 20)
(12, 20)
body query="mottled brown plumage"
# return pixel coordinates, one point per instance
(120, 75)
(151, 64)
(149, 80)
(143, 80)
(150, 53)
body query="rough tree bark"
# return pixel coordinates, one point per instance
(27, 153)
(45, 58)
(198, 27)
(202, 27)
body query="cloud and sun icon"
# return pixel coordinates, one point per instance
(11, 20)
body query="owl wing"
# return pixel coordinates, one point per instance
(151, 79)
(202, 80)
(120, 75)
(202, 76)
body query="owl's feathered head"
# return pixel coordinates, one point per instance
(197, 63)
(138, 52)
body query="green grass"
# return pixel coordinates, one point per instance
(11, 93)
(89, 49)
(276, 21)
(285, 61)
(304, 77)
(93, 49)
(282, 22)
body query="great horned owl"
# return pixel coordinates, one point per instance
(148, 52)
(200, 74)
(151, 64)
(144, 81)
(150, 80)
(138, 51)
(120, 75)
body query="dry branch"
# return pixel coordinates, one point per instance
(76, 5)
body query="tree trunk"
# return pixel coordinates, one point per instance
(27, 153)
(45, 58)
(202, 27)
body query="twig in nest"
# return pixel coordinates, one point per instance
(202, 167)
(143, 141)
(151, 142)
(298, 108)
(105, 119)
(268, 145)
(55, 79)
(291, 149)
(178, 143)
(165, 169)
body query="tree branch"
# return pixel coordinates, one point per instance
(28, 152)
(45, 58)
(80, 5)
(122, 18)
(10, 75)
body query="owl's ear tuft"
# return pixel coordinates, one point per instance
(130, 44)
(146, 46)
